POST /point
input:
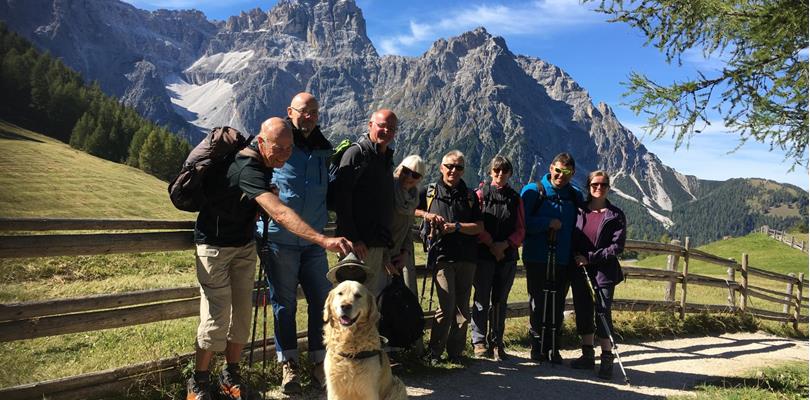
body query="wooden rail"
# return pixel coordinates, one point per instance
(785, 238)
(20, 321)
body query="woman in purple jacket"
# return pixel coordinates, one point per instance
(598, 240)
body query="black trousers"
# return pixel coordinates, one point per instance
(541, 292)
(584, 305)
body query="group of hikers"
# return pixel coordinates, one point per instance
(569, 238)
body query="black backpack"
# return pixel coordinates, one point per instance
(334, 165)
(219, 147)
(401, 318)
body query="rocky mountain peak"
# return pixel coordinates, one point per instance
(468, 92)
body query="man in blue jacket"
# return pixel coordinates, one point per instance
(289, 260)
(549, 205)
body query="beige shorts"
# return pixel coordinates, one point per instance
(226, 281)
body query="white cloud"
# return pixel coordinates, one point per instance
(711, 155)
(540, 17)
(715, 61)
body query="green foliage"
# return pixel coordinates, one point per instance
(43, 94)
(761, 93)
(737, 207)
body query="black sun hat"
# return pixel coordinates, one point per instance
(350, 268)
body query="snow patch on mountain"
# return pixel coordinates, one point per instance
(223, 63)
(207, 105)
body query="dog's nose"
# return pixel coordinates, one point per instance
(346, 307)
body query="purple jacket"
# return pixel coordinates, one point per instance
(603, 258)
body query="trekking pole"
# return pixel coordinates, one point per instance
(257, 288)
(427, 267)
(264, 327)
(597, 296)
(552, 271)
(431, 263)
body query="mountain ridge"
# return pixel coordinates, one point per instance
(468, 92)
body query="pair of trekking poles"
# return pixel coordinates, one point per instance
(430, 265)
(550, 290)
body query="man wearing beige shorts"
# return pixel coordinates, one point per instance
(226, 253)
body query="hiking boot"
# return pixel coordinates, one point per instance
(198, 390)
(290, 382)
(231, 386)
(480, 350)
(586, 360)
(606, 365)
(318, 376)
(457, 360)
(499, 353)
(538, 355)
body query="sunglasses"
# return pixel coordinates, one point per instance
(599, 184)
(307, 113)
(457, 167)
(564, 171)
(414, 175)
(501, 170)
(383, 125)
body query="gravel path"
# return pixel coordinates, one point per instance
(656, 370)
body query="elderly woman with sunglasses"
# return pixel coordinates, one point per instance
(598, 240)
(504, 229)
(407, 176)
(452, 210)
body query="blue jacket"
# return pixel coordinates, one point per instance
(558, 203)
(302, 184)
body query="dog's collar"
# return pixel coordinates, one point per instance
(361, 355)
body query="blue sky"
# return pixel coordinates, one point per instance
(597, 54)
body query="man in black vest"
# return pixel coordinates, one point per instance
(453, 211)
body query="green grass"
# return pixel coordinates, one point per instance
(787, 381)
(763, 252)
(42, 177)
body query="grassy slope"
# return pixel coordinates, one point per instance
(763, 252)
(43, 177)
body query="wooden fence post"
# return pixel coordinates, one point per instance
(732, 292)
(744, 290)
(672, 265)
(797, 312)
(788, 297)
(685, 277)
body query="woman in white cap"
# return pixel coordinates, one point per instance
(406, 197)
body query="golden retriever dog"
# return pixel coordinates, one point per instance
(356, 367)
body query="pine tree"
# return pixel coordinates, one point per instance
(135, 145)
(762, 91)
(151, 154)
(84, 127)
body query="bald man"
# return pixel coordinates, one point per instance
(290, 260)
(226, 253)
(365, 197)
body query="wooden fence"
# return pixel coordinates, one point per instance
(33, 238)
(785, 238)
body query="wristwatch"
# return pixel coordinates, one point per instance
(458, 226)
